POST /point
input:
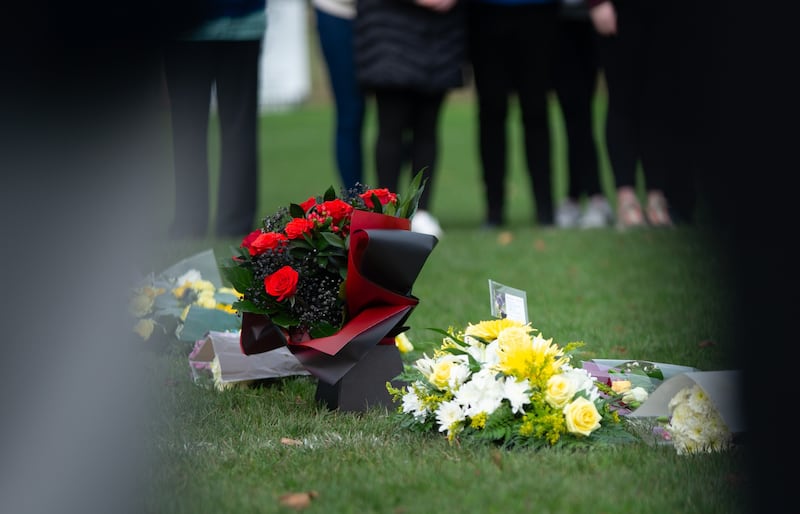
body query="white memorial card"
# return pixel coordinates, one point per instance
(507, 302)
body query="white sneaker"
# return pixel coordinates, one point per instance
(597, 213)
(424, 223)
(567, 214)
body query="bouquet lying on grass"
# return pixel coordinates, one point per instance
(501, 381)
(681, 415)
(183, 302)
(330, 277)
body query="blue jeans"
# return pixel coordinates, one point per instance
(336, 41)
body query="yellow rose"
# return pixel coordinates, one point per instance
(620, 386)
(441, 373)
(582, 417)
(144, 327)
(560, 390)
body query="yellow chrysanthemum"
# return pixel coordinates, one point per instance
(205, 299)
(489, 330)
(180, 291)
(523, 356)
(203, 285)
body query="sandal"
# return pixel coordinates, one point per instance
(657, 210)
(629, 210)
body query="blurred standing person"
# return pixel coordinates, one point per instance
(409, 55)
(511, 45)
(335, 28)
(576, 74)
(645, 124)
(223, 52)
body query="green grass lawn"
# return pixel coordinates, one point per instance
(660, 295)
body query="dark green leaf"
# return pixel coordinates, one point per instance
(333, 239)
(240, 278)
(329, 195)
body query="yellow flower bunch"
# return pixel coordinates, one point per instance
(163, 304)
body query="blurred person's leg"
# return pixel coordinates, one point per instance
(575, 77)
(188, 70)
(535, 28)
(671, 116)
(336, 42)
(237, 100)
(394, 108)
(489, 45)
(621, 58)
(621, 63)
(425, 143)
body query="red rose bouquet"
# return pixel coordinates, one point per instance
(331, 277)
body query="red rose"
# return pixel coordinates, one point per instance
(297, 227)
(266, 241)
(282, 284)
(384, 195)
(336, 209)
(311, 202)
(247, 242)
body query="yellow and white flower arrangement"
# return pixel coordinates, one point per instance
(502, 381)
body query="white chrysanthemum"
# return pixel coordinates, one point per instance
(517, 393)
(485, 354)
(695, 424)
(412, 404)
(459, 374)
(482, 394)
(190, 276)
(681, 396)
(448, 415)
